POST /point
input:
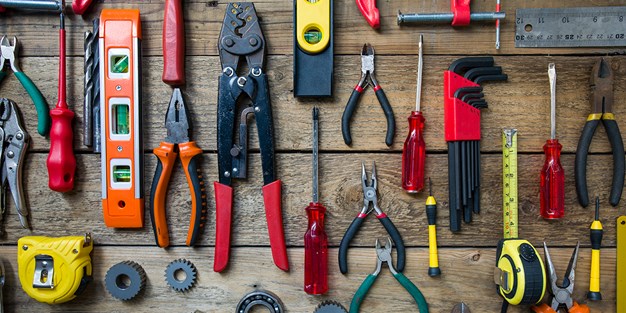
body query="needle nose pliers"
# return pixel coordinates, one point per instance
(384, 256)
(601, 106)
(370, 196)
(9, 56)
(177, 143)
(561, 294)
(367, 78)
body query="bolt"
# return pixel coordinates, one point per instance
(10, 154)
(19, 136)
(24, 247)
(227, 174)
(253, 42)
(118, 87)
(257, 109)
(119, 148)
(241, 81)
(229, 42)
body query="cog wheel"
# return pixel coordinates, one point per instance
(125, 280)
(330, 307)
(187, 268)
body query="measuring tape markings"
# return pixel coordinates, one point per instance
(509, 183)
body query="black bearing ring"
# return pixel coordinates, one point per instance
(260, 297)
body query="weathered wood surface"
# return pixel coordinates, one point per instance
(467, 275)
(466, 258)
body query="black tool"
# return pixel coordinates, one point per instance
(367, 78)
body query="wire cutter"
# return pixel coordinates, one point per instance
(384, 256)
(562, 294)
(367, 78)
(241, 37)
(370, 196)
(177, 143)
(9, 57)
(601, 106)
(15, 141)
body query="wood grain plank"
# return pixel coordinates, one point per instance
(522, 102)
(466, 276)
(203, 20)
(340, 192)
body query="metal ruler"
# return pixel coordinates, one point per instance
(509, 182)
(621, 258)
(570, 27)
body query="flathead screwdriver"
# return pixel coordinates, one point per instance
(315, 239)
(552, 190)
(414, 151)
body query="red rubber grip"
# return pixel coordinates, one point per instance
(461, 11)
(80, 6)
(223, 214)
(173, 44)
(370, 12)
(273, 213)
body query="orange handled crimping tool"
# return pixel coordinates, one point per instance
(177, 143)
(241, 37)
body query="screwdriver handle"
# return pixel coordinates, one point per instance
(552, 189)
(315, 251)
(173, 44)
(414, 154)
(595, 235)
(431, 214)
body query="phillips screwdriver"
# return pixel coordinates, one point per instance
(315, 240)
(596, 233)
(431, 214)
(552, 192)
(414, 152)
(61, 161)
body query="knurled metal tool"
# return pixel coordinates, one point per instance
(241, 37)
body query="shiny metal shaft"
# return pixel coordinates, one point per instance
(552, 76)
(447, 17)
(54, 6)
(420, 64)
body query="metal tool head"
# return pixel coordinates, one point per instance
(562, 293)
(602, 87)
(370, 190)
(383, 252)
(241, 36)
(9, 52)
(367, 59)
(461, 308)
(177, 119)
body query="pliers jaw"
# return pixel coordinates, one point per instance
(602, 87)
(370, 191)
(9, 52)
(383, 252)
(177, 119)
(562, 294)
(241, 35)
(367, 67)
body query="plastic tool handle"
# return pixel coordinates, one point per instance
(580, 162)
(595, 234)
(345, 242)
(173, 44)
(617, 145)
(272, 196)
(61, 161)
(223, 216)
(166, 156)
(315, 251)
(414, 155)
(190, 156)
(413, 290)
(391, 120)
(80, 6)
(431, 214)
(552, 190)
(370, 12)
(347, 114)
(397, 240)
(360, 294)
(43, 112)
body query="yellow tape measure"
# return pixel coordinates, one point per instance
(621, 258)
(509, 183)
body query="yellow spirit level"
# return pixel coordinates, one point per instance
(121, 118)
(54, 270)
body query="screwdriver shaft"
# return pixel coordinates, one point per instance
(552, 76)
(420, 64)
(315, 155)
(498, 26)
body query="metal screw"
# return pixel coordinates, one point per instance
(10, 154)
(24, 247)
(119, 148)
(19, 136)
(241, 81)
(229, 42)
(227, 174)
(229, 71)
(253, 42)
(257, 109)
(118, 87)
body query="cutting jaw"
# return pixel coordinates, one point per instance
(562, 293)
(9, 52)
(241, 35)
(177, 119)
(602, 87)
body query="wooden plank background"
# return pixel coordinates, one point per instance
(466, 258)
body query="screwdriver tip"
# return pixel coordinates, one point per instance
(316, 112)
(62, 17)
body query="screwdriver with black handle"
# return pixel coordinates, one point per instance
(315, 239)
(596, 233)
(414, 151)
(431, 214)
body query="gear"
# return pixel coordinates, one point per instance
(125, 280)
(330, 307)
(190, 275)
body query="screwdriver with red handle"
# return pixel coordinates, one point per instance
(173, 44)
(315, 240)
(414, 152)
(61, 161)
(552, 195)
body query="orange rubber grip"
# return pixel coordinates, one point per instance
(542, 308)
(579, 308)
(166, 156)
(190, 154)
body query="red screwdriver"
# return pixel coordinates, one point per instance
(315, 240)
(414, 152)
(61, 161)
(552, 195)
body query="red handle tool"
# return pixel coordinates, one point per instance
(80, 6)
(173, 44)
(61, 161)
(370, 12)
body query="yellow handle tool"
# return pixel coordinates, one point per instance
(621, 258)
(596, 241)
(431, 213)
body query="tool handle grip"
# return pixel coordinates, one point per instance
(223, 216)
(391, 121)
(360, 294)
(61, 160)
(166, 156)
(414, 154)
(190, 155)
(552, 183)
(315, 251)
(43, 113)
(580, 161)
(347, 114)
(80, 6)
(617, 145)
(345, 242)
(433, 260)
(397, 240)
(173, 44)
(370, 12)
(414, 291)
(272, 198)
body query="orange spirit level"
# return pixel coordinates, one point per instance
(120, 115)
